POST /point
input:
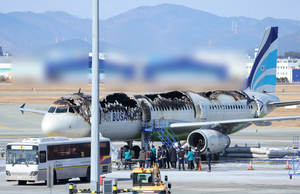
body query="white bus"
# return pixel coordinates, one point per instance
(71, 158)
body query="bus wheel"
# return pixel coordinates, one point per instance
(54, 178)
(87, 177)
(63, 180)
(22, 182)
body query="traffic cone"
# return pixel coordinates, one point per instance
(287, 165)
(138, 166)
(199, 166)
(250, 166)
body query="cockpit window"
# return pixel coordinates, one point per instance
(63, 109)
(71, 110)
(51, 109)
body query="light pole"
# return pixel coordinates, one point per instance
(95, 150)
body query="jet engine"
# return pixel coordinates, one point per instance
(208, 138)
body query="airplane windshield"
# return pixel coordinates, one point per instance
(63, 109)
(51, 109)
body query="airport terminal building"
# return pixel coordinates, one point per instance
(288, 69)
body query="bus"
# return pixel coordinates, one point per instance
(70, 157)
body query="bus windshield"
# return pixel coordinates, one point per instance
(25, 157)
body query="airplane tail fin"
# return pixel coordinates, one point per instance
(263, 74)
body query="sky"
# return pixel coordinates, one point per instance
(258, 9)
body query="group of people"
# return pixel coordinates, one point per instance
(165, 157)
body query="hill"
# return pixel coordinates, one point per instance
(161, 27)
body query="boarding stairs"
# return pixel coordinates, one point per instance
(159, 128)
(295, 162)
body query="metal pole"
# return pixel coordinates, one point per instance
(95, 150)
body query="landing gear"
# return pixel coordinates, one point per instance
(216, 156)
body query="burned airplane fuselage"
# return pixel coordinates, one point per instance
(122, 116)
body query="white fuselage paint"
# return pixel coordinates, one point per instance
(117, 126)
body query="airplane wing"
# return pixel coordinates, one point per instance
(198, 125)
(286, 103)
(22, 109)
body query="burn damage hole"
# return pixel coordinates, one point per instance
(213, 95)
(175, 100)
(119, 102)
(80, 102)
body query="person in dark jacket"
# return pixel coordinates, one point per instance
(120, 156)
(190, 158)
(181, 158)
(142, 157)
(173, 157)
(153, 155)
(163, 156)
(208, 158)
(168, 157)
(197, 157)
(159, 157)
(127, 155)
(148, 157)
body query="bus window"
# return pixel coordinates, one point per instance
(75, 153)
(42, 156)
(51, 109)
(104, 148)
(63, 109)
(86, 150)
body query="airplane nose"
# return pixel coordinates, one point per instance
(51, 126)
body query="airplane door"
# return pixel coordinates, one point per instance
(202, 112)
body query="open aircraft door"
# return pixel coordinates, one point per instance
(202, 110)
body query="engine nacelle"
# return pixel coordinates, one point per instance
(208, 138)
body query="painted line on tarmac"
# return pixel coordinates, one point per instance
(35, 114)
(26, 130)
(5, 127)
(262, 161)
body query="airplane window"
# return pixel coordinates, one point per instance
(62, 109)
(71, 110)
(209, 107)
(51, 109)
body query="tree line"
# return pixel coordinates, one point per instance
(290, 54)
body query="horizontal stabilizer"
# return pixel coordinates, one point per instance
(22, 109)
(282, 104)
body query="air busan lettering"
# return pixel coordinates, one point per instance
(120, 116)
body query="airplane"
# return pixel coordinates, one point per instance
(209, 117)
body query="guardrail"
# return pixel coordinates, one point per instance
(72, 190)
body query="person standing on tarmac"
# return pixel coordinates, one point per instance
(120, 156)
(197, 157)
(127, 158)
(173, 157)
(163, 157)
(208, 158)
(190, 158)
(142, 157)
(159, 157)
(153, 155)
(148, 157)
(168, 157)
(181, 158)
